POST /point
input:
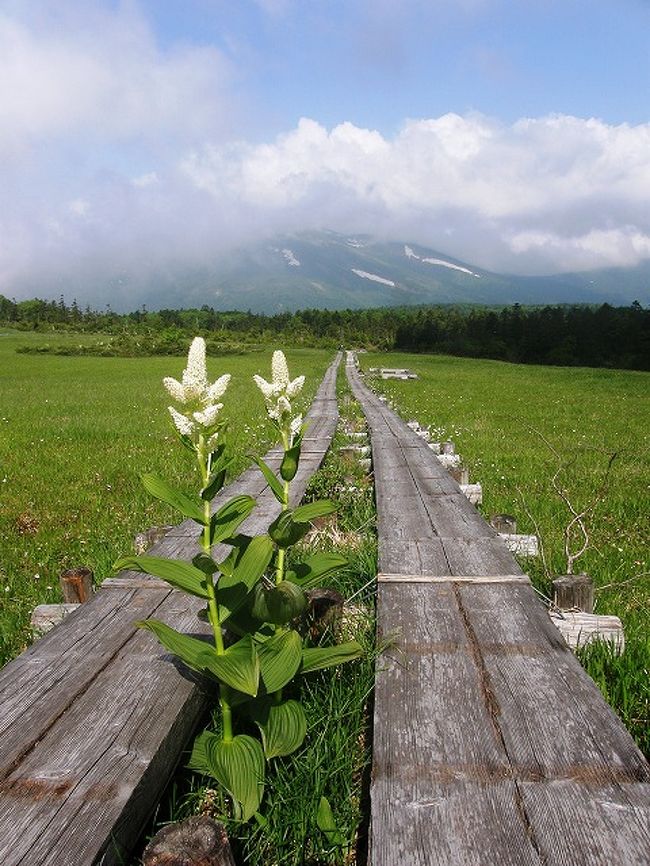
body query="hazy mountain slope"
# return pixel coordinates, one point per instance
(329, 270)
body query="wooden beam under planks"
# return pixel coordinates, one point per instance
(95, 715)
(491, 744)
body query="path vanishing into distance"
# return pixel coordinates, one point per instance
(492, 745)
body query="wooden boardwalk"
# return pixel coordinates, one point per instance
(492, 746)
(94, 716)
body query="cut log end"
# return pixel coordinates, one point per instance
(76, 585)
(198, 841)
(574, 592)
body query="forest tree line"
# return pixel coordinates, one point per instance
(580, 335)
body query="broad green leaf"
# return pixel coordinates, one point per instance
(314, 659)
(317, 567)
(198, 759)
(192, 651)
(225, 521)
(285, 531)
(205, 563)
(272, 479)
(242, 622)
(254, 560)
(214, 485)
(239, 765)
(279, 604)
(327, 824)
(283, 729)
(249, 565)
(181, 575)
(312, 510)
(280, 658)
(289, 465)
(238, 667)
(161, 490)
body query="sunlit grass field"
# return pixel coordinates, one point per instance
(75, 435)
(499, 415)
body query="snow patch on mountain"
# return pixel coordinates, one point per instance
(366, 276)
(410, 254)
(290, 258)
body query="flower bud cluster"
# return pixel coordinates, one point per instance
(199, 398)
(278, 394)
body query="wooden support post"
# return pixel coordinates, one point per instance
(459, 474)
(574, 592)
(504, 523)
(76, 585)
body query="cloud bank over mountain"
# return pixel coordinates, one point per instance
(121, 154)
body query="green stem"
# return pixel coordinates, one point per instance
(280, 562)
(213, 607)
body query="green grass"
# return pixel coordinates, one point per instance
(75, 435)
(495, 413)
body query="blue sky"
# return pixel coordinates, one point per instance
(377, 63)
(158, 133)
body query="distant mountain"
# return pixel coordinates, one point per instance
(334, 271)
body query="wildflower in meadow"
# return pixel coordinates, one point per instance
(197, 396)
(278, 394)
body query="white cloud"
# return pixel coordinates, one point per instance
(118, 156)
(87, 71)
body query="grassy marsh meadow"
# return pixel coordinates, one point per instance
(76, 433)
(502, 418)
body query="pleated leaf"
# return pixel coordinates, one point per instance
(327, 823)
(271, 478)
(284, 730)
(312, 510)
(280, 658)
(314, 659)
(225, 521)
(289, 465)
(180, 575)
(239, 766)
(238, 667)
(279, 604)
(317, 567)
(161, 490)
(249, 565)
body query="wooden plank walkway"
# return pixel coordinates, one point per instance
(95, 715)
(492, 746)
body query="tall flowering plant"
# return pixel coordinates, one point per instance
(253, 600)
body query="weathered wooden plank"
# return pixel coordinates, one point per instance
(411, 556)
(448, 578)
(455, 822)
(491, 745)
(589, 824)
(485, 555)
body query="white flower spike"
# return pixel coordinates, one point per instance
(197, 396)
(279, 392)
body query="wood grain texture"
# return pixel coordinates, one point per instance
(95, 716)
(491, 744)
